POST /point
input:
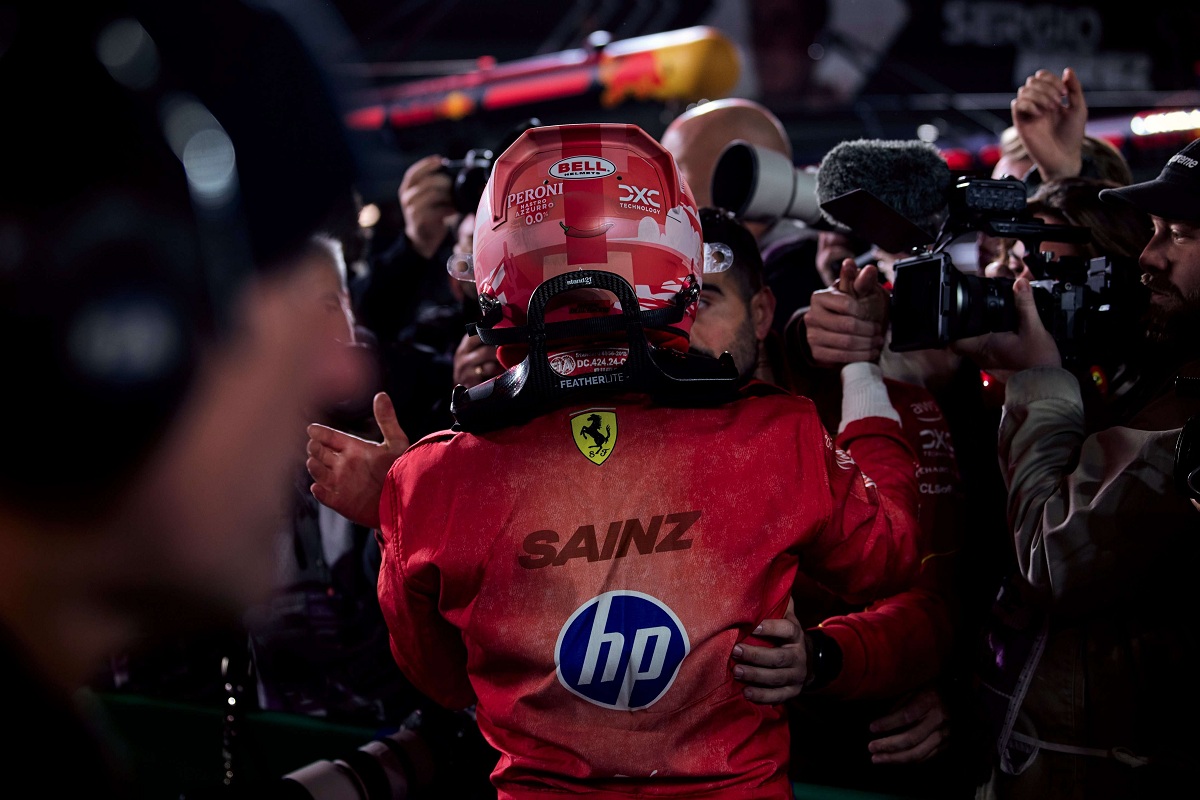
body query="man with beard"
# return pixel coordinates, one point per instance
(876, 722)
(736, 305)
(1093, 644)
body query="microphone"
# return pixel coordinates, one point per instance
(909, 176)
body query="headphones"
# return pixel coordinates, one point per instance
(138, 196)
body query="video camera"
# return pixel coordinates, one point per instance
(1080, 301)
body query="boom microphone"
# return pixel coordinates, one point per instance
(909, 176)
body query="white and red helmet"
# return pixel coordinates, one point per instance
(587, 197)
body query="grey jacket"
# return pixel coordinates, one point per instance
(1094, 648)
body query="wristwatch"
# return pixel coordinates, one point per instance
(825, 659)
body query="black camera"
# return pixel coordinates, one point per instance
(1088, 303)
(434, 753)
(469, 176)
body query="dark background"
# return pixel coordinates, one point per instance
(831, 70)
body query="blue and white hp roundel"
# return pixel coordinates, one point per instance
(621, 650)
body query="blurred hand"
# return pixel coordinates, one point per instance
(475, 362)
(1030, 346)
(774, 674)
(846, 322)
(917, 730)
(1050, 115)
(349, 472)
(427, 205)
(833, 247)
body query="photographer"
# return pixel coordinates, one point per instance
(1094, 641)
(1106, 366)
(410, 275)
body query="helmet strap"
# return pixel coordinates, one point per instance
(533, 387)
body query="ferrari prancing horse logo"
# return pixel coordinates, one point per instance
(595, 432)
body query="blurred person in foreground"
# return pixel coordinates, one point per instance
(596, 597)
(162, 354)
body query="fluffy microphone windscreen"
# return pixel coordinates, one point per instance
(910, 176)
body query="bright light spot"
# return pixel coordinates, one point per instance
(369, 216)
(203, 147)
(126, 340)
(928, 132)
(128, 53)
(209, 163)
(1166, 122)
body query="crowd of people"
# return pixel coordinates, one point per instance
(594, 485)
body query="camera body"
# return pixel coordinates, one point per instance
(1087, 305)
(468, 177)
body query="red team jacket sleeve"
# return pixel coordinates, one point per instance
(870, 547)
(903, 640)
(897, 643)
(428, 649)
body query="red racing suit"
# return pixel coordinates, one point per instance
(585, 576)
(902, 641)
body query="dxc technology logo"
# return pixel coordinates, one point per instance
(621, 650)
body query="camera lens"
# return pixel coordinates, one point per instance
(981, 305)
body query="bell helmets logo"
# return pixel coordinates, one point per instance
(582, 168)
(595, 433)
(621, 650)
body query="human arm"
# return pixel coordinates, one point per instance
(902, 641)
(1088, 513)
(1050, 116)
(869, 547)
(349, 472)
(1074, 500)
(474, 362)
(915, 730)
(427, 648)
(387, 297)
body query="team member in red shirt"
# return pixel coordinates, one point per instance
(556, 559)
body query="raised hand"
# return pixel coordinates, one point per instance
(425, 198)
(1050, 116)
(348, 471)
